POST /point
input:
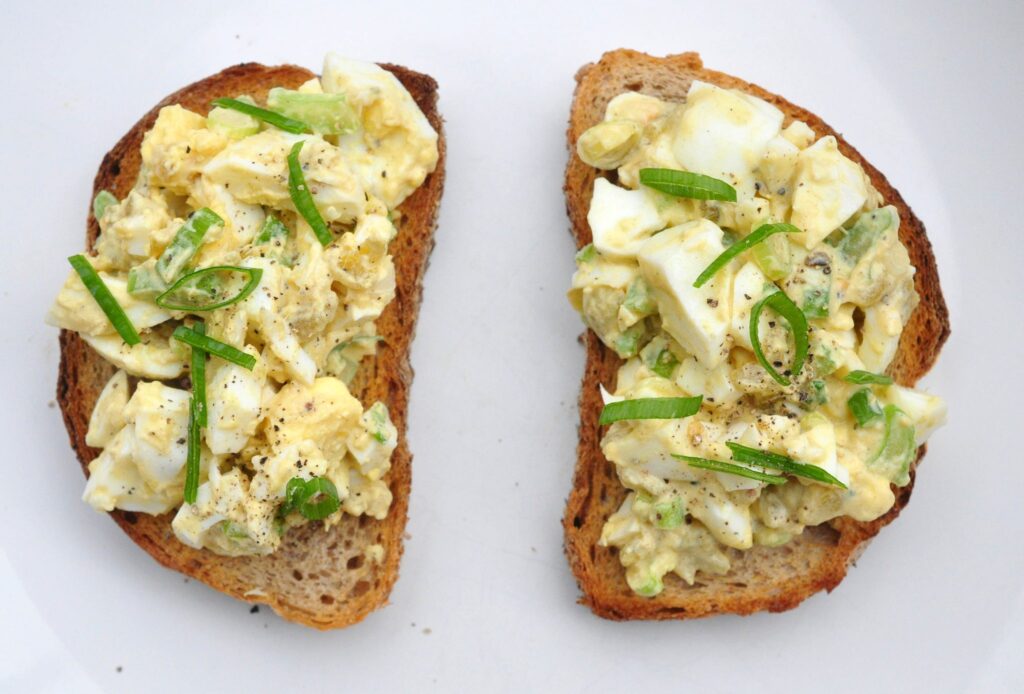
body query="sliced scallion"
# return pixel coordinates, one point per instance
(650, 408)
(797, 323)
(101, 293)
(210, 288)
(192, 460)
(730, 468)
(185, 243)
(275, 119)
(749, 241)
(776, 461)
(215, 347)
(867, 378)
(302, 198)
(686, 184)
(300, 495)
(197, 374)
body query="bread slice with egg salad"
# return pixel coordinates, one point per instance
(234, 372)
(760, 303)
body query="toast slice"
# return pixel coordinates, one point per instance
(761, 578)
(316, 577)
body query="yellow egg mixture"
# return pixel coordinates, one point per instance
(308, 322)
(845, 269)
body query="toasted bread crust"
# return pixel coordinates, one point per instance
(761, 578)
(318, 578)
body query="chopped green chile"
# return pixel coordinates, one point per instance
(639, 300)
(214, 347)
(665, 363)
(185, 243)
(864, 232)
(344, 366)
(650, 408)
(107, 303)
(898, 447)
(586, 254)
(273, 229)
(749, 241)
(686, 184)
(670, 515)
(784, 306)
(867, 378)
(783, 463)
(326, 114)
(303, 199)
(144, 281)
(275, 119)
(210, 288)
(730, 468)
(863, 407)
(774, 257)
(815, 303)
(101, 202)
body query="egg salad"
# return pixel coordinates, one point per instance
(753, 282)
(252, 257)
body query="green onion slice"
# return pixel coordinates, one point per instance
(300, 493)
(328, 501)
(784, 306)
(686, 184)
(867, 378)
(185, 243)
(272, 230)
(101, 293)
(863, 407)
(210, 288)
(650, 408)
(101, 202)
(215, 347)
(276, 119)
(198, 375)
(732, 469)
(776, 461)
(750, 240)
(302, 198)
(192, 461)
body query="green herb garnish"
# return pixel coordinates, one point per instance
(101, 293)
(210, 288)
(650, 408)
(731, 468)
(101, 202)
(776, 461)
(686, 184)
(315, 498)
(214, 347)
(798, 324)
(750, 240)
(302, 198)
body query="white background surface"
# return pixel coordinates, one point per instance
(486, 601)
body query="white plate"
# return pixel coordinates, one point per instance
(486, 600)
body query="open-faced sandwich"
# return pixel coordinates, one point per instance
(760, 302)
(234, 370)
